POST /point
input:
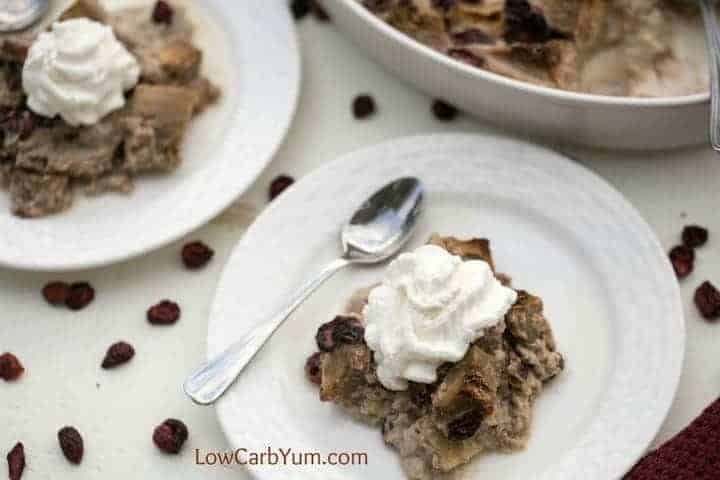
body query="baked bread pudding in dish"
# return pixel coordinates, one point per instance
(94, 101)
(645, 48)
(444, 356)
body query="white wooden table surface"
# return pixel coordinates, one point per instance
(117, 411)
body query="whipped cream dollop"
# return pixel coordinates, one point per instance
(80, 71)
(429, 308)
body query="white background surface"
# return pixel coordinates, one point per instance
(62, 350)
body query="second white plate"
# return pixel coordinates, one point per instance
(251, 52)
(560, 232)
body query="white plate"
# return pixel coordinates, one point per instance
(251, 51)
(559, 230)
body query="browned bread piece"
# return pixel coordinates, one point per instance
(35, 194)
(77, 152)
(179, 59)
(86, 9)
(473, 249)
(167, 108)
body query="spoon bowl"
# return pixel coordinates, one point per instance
(382, 225)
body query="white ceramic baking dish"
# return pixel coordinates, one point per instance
(553, 115)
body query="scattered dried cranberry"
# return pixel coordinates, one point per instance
(56, 293)
(71, 444)
(341, 330)
(196, 255)
(300, 8)
(163, 13)
(16, 461)
(279, 185)
(312, 367)
(363, 106)
(465, 426)
(319, 12)
(443, 111)
(707, 300)
(682, 259)
(170, 436)
(10, 367)
(694, 236)
(164, 313)
(118, 354)
(80, 295)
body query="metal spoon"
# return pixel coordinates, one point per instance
(376, 232)
(712, 33)
(19, 14)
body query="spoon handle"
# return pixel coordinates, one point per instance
(713, 45)
(207, 384)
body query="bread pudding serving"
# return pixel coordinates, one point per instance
(646, 48)
(94, 101)
(443, 356)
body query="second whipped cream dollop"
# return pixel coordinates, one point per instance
(427, 311)
(80, 71)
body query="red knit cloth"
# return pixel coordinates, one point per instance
(694, 454)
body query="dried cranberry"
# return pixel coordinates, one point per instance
(466, 56)
(341, 330)
(525, 24)
(470, 36)
(80, 295)
(694, 236)
(420, 395)
(279, 185)
(443, 4)
(682, 259)
(26, 125)
(13, 76)
(443, 111)
(10, 367)
(56, 293)
(348, 332)
(71, 444)
(312, 367)
(323, 337)
(21, 123)
(164, 313)
(363, 106)
(118, 354)
(16, 461)
(300, 8)
(378, 6)
(170, 436)
(196, 255)
(707, 300)
(465, 425)
(319, 12)
(163, 13)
